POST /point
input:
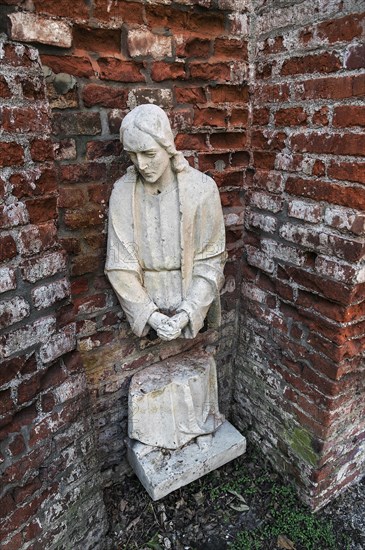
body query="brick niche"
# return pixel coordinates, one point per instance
(266, 97)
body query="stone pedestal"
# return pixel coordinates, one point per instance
(176, 432)
(162, 471)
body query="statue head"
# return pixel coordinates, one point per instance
(147, 128)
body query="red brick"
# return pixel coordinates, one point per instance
(274, 45)
(71, 197)
(213, 161)
(33, 89)
(119, 70)
(2, 189)
(319, 168)
(229, 94)
(196, 47)
(12, 311)
(73, 10)
(338, 292)
(190, 95)
(209, 24)
(228, 140)
(7, 505)
(239, 118)
(349, 115)
(295, 116)
(230, 48)
(11, 154)
(75, 65)
(219, 72)
(4, 88)
(97, 40)
(322, 63)
(34, 239)
(261, 117)
(99, 149)
(167, 71)
(264, 70)
(352, 197)
(340, 87)
(86, 217)
(7, 279)
(181, 118)
(13, 215)
(268, 140)
(347, 171)
(24, 120)
(210, 117)
(334, 144)
(270, 93)
(240, 159)
(32, 531)
(358, 85)
(264, 160)
(59, 344)
(86, 264)
(6, 402)
(117, 12)
(7, 248)
(41, 150)
(355, 58)
(33, 183)
(105, 96)
(98, 193)
(320, 117)
(15, 57)
(195, 142)
(79, 173)
(343, 29)
(85, 123)
(42, 210)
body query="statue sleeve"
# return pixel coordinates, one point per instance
(133, 298)
(209, 259)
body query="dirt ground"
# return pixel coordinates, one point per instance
(242, 506)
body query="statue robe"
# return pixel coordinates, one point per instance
(201, 240)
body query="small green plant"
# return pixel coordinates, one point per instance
(288, 517)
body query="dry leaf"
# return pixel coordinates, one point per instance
(122, 505)
(133, 523)
(240, 507)
(284, 542)
(237, 495)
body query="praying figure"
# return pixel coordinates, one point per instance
(166, 238)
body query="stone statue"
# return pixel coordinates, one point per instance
(165, 260)
(166, 245)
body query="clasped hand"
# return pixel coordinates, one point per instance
(168, 328)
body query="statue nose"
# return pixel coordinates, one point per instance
(142, 162)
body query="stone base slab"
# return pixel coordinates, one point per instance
(162, 471)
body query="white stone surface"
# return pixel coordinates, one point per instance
(174, 401)
(166, 236)
(162, 472)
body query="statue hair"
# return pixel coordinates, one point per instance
(152, 120)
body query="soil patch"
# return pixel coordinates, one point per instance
(244, 505)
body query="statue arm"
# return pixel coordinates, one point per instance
(134, 300)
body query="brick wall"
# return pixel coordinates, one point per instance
(47, 443)
(100, 59)
(286, 147)
(302, 325)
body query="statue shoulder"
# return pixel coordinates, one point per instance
(128, 179)
(200, 183)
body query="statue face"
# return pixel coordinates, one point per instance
(150, 159)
